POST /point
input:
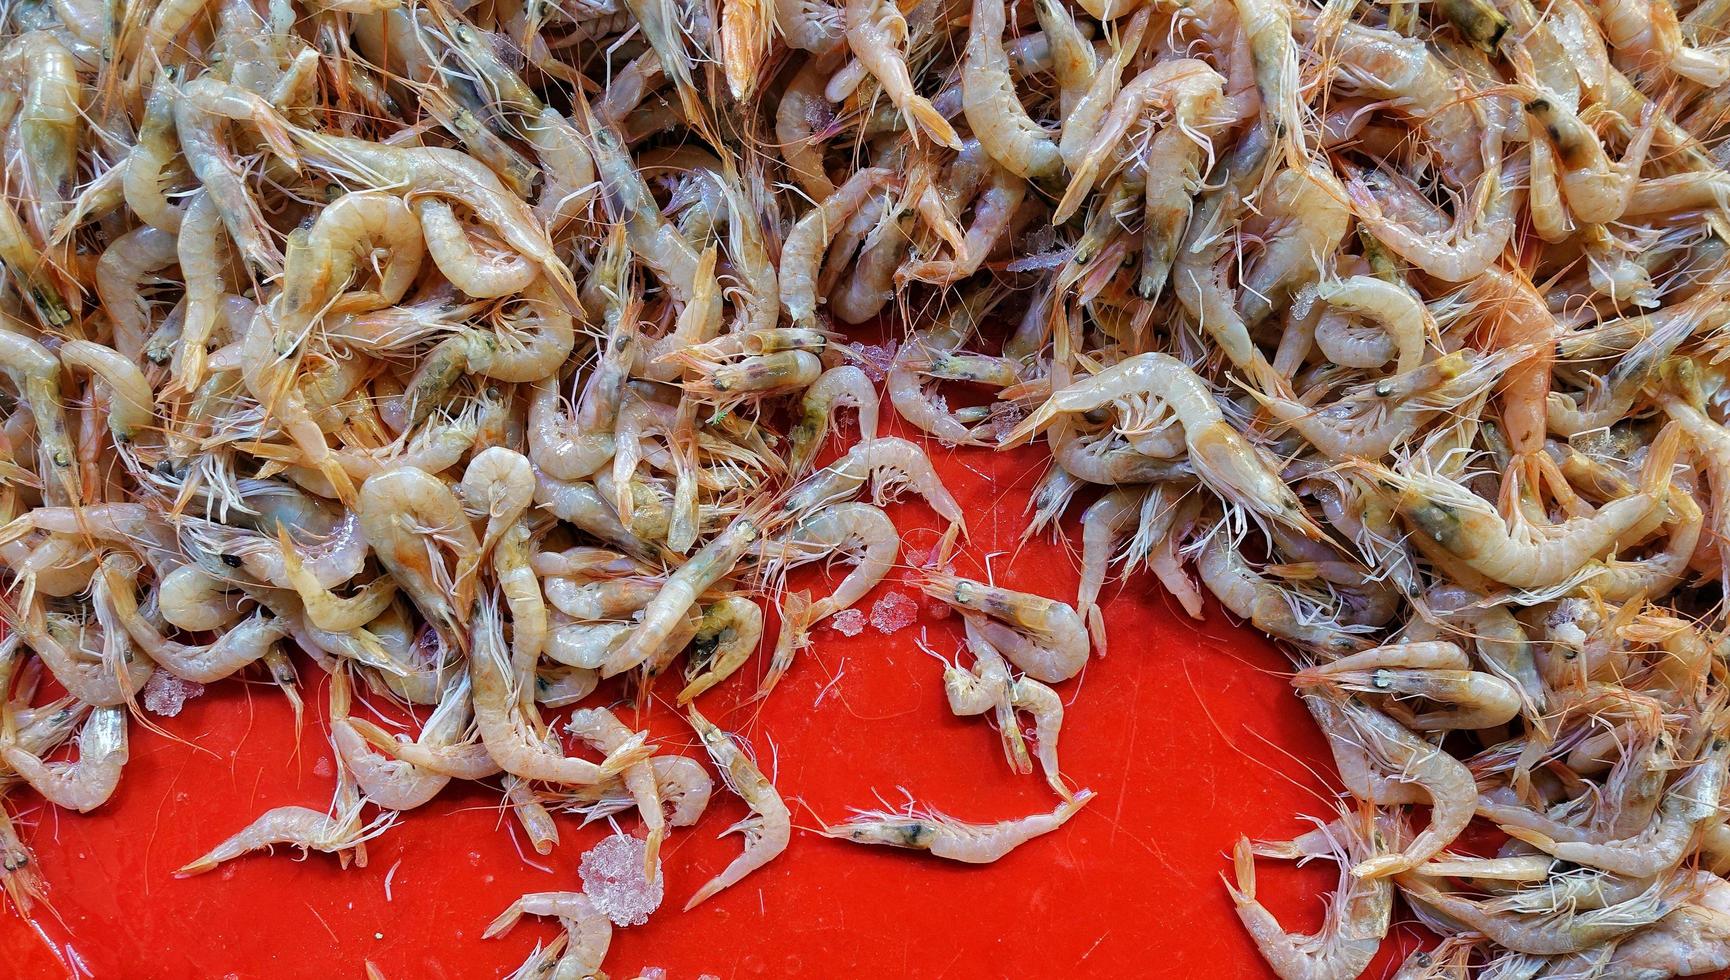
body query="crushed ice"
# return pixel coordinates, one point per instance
(165, 694)
(848, 622)
(875, 359)
(892, 612)
(612, 873)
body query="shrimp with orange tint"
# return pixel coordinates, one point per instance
(588, 932)
(603, 731)
(1043, 637)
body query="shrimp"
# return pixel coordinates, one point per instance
(1563, 932)
(1681, 818)
(203, 109)
(239, 645)
(335, 832)
(88, 783)
(769, 827)
(125, 264)
(1043, 637)
(1410, 764)
(588, 932)
(945, 837)
(662, 616)
(1357, 916)
(131, 406)
(149, 157)
(35, 374)
(726, 638)
(802, 252)
(877, 35)
(888, 463)
(840, 386)
(389, 783)
(1468, 528)
(1433, 671)
(483, 274)
(603, 731)
(990, 686)
(406, 515)
(994, 112)
(1146, 387)
(1402, 323)
(914, 401)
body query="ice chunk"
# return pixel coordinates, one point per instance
(165, 694)
(652, 973)
(893, 612)
(612, 873)
(875, 359)
(848, 622)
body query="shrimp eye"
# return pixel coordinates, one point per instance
(1384, 389)
(232, 561)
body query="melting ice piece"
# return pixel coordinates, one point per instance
(893, 611)
(165, 694)
(875, 359)
(849, 622)
(612, 873)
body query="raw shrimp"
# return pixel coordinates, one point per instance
(769, 827)
(1358, 915)
(1433, 671)
(844, 386)
(88, 783)
(877, 35)
(993, 110)
(802, 251)
(1146, 387)
(946, 837)
(486, 274)
(588, 932)
(661, 617)
(603, 731)
(389, 783)
(726, 638)
(888, 463)
(1043, 637)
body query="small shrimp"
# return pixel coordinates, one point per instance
(155, 148)
(729, 633)
(507, 721)
(1562, 932)
(482, 274)
(1667, 841)
(802, 252)
(769, 827)
(1043, 637)
(989, 685)
(888, 463)
(1402, 324)
(946, 837)
(131, 407)
(335, 832)
(1148, 385)
(35, 374)
(126, 264)
(407, 514)
(588, 932)
(238, 646)
(1358, 915)
(662, 616)
(389, 783)
(877, 35)
(1435, 671)
(1410, 764)
(844, 386)
(1468, 528)
(604, 732)
(88, 783)
(914, 400)
(499, 485)
(994, 112)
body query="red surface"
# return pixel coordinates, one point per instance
(1187, 731)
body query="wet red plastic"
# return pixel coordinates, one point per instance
(1188, 732)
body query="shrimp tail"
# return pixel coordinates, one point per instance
(921, 113)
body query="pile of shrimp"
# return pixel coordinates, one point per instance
(481, 356)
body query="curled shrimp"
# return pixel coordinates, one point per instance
(88, 783)
(588, 932)
(888, 463)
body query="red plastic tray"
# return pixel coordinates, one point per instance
(1188, 732)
